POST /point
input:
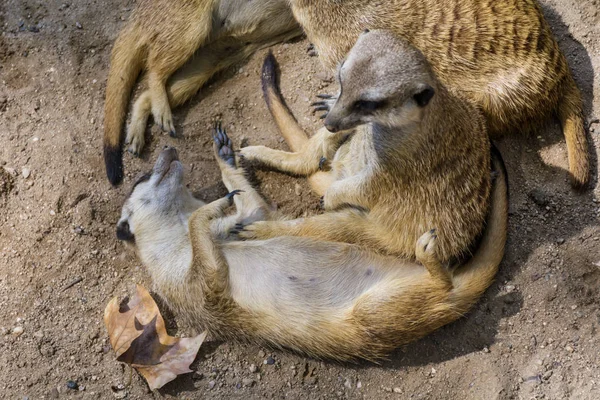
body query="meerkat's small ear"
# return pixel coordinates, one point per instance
(423, 95)
(124, 232)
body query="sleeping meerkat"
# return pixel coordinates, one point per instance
(180, 45)
(324, 299)
(500, 55)
(412, 156)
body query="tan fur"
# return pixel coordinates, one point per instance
(180, 44)
(325, 299)
(500, 55)
(406, 169)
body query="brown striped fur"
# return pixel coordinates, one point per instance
(500, 55)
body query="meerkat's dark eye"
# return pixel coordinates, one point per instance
(423, 96)
(368, 105)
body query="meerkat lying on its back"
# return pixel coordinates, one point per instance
(500, 55)
(324, 299)
(181, 45)
(412, 156)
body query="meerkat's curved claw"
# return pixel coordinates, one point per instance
(311, 50)
(229, 196)
(327, 102)
(322, 163)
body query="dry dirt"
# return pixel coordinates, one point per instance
(533, 335)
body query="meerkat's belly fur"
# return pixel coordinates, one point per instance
(324, 299)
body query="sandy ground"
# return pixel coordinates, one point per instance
(533, 335)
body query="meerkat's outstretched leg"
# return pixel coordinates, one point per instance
(308, 160)
(348, 225)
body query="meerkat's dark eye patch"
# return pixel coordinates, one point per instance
(423, 96)
(368, 105)
(124, 232)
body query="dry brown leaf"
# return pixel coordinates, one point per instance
(137, 334)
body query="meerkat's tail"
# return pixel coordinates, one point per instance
(474, 277)
(570, 113)
(292, 132)
(126, 63)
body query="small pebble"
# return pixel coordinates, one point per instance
(358, 384)
(248, 382)
(569, 348)
(26, 172)
(261, 354)
(18, 330)
(211, 384)
(253, 368)
(270, 360)
(78, 25)
(72, 385)
(486, 350)
(397, 390)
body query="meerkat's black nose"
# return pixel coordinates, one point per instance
(331, 127)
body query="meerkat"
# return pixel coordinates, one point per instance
(180, 45)
(405, 154)
(500, 55)
(324, 299)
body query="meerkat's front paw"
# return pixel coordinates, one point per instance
(426, 251)
(254, 231)
(223, 145)
(312, 52)
(325, 104)
(252, 153)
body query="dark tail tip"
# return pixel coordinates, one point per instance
(497, 157)
(113, 160)
(269, 76)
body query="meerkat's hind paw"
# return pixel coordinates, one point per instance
(427, 244)
(223, 145)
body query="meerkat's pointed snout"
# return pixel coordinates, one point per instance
(332, 126)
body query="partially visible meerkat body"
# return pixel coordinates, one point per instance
(501, 55)
(415, 156)
(181, 45)
(324, 299)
